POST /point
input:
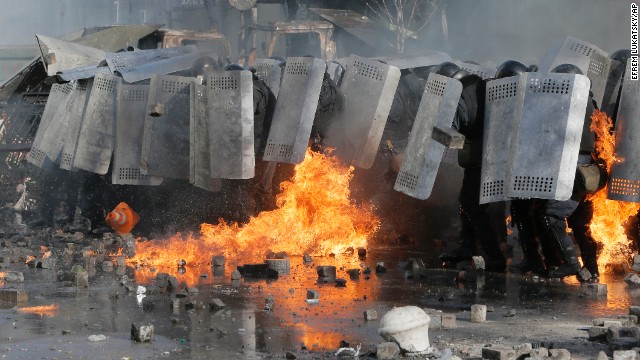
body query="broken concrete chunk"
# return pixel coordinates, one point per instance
(341, 282)
(353, 273)
(636, 263)
(82, 279)
(632, 279)
(370, 315)
(258, 271)
(408, 326)
(141, 332)
(478, 263)
(559, 354)
(498, 353)
(539, 352)
(595, 290)
(387, 351)
(218, 260)
(307, 258)
(12, 276)
(282, 266)
(235, 275)
(625, 354)
(268, 303)
(380, 268)
(478, 313)
(448, 321)
(312, 294)
(216, 304)
(95, 338)
(326, 273)
(597, 333)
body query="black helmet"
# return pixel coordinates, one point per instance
(232, 67)
(446, 69)
(510, 68)
(204, 64)
(567, 69)
(621, 55)
(423, 71)
(532, 68)
(461, 74)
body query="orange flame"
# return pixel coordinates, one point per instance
(29, 259)
(45, 310)
(314, 215)
(45, 252)
(609, 217)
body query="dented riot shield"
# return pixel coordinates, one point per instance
(423, 154)
(42, 141)
(592, 61)
(485, 72)
(368, 87)
(269, 71)
(199, 159)
(165, 144)
(624, 182)
(503, 97)
(95, 141)
(295, 110)
(230, 110)
(544, 142)
(78, 107)
(143, 64)
(59, 55)
(131, 110)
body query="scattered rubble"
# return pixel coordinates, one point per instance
(478, 263)
(326, 273)
(370, 315)
(632, 279)
(312, 294)
(216, 304)
(12, 276)
(257, 271)
(95, 338)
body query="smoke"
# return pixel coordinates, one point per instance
(492, 31)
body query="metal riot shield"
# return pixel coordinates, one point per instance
(37, 156)
(165, 145)
(199, 159)
(485, 72)
(95, 141)
(59, 55)
(546, 143)
(502, 109)
(143, 64)
(230, 110)
(423, 154)
(295, 110)
(368, 87)
(131, 111)
(269, 71)
(78, 105)
(624, 182)
(409, 62)
(592, 61)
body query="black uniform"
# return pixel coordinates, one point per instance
(478, 224)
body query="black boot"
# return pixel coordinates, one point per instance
(555, 230)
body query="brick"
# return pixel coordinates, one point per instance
(542, 352)
(498, 353)
(82, 279)
(370, 315)
(312, 294)
(448, 321)
(625, 355)
(523, 349)
(559, 354)
(436, 321)
(13, 295)
(597, 333)
(478, 262)
(387, 351)
(596, 290)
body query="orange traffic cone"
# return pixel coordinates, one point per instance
(122, 219)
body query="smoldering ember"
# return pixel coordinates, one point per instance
(319, 179)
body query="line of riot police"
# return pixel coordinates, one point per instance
(521, 134)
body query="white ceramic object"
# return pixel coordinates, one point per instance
(407, 326)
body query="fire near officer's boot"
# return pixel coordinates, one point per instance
(555, 230)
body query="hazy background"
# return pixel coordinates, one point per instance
(484, 30)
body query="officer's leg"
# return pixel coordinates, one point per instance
(579, 223)
(521, 213)
(551, 218)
